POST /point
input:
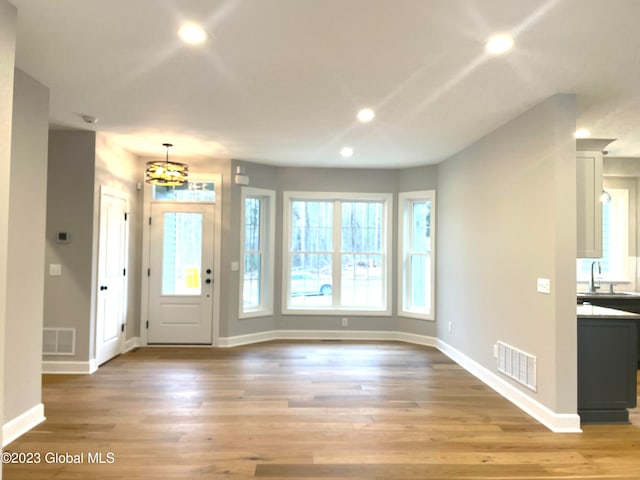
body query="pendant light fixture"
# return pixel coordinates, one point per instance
(167, 174)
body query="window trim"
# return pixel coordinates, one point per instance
(267, 235)
(387, 200)
(405, 199)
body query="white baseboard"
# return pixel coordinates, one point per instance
(22, 424)
(248, 339)
(417, 339)
(131, 344)
(74, 368)
(322, 335)
(556, 422)
(335, 335)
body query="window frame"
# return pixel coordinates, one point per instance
(405, 201)
(267, 249)
(337, 198)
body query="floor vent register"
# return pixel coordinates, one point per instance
(518, 365)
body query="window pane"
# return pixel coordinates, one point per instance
(311, 226)
(252, 224)
(182, 253)
(417, 243)
(362, 283)
(189, 192)
(252, 280)
(310, 280)
(362, 226)
(421, 227)
(420, 283)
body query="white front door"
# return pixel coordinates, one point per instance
(112, 285)
(181, 274)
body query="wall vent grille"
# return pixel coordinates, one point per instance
(518, 365)
(59, 341)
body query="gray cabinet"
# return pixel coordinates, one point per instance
(607, 352)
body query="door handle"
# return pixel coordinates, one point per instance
(208, 280)
(103, 287)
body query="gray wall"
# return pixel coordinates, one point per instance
(70, 208)
(8, 16)
(410, 180)
(260, 176)
(506, 216)
(79, 163)
(317, 180)
(27, 207)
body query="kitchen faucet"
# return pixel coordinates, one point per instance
(592, 283)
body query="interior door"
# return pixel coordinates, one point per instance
(112, 286)
(181, 274)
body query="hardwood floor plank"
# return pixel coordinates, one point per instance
(305, 410)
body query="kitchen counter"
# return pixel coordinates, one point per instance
(586, 296)
(586, 310)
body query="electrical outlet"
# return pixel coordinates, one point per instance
(345, 322)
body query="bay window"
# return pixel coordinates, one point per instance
(416, 252)
(336, 255)
(258, 226)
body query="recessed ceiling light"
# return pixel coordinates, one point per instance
(192, 34)
(499, 44)
(366, 115)
(582, 133)
(346, 151)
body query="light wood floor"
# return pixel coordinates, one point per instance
(323, 410)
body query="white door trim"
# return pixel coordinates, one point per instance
(217, 255)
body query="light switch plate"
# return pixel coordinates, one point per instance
(235, 266)
(544, 285)
(55, 270)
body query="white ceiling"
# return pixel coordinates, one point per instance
(280, 81)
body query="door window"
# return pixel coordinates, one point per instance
(182, 253)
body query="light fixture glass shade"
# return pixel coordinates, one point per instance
(166, 173)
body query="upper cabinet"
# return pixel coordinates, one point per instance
(589, 188)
